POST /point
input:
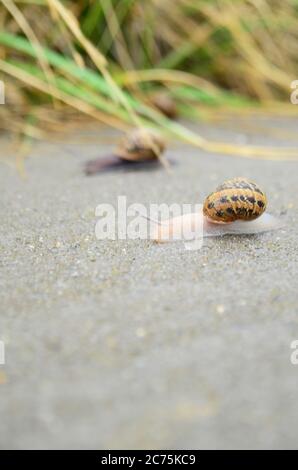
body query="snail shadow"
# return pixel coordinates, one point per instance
(227, 243)
(239, 238)
(112, 163)
(237, 244)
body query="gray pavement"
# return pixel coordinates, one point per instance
(127, 344)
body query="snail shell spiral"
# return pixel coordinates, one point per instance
(235, 199)
(140, 145)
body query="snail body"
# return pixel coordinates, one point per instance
(235, 199)
(195, 225)
(140, 146)
(231, 209)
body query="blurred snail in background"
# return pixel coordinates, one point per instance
(139, 146)
(165, 104)
(236, 207)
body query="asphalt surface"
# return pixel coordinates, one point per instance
(128, 344)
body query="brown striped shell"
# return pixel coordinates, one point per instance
(235, 199)
(141, 145)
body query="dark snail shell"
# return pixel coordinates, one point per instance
(235, 199)
(140, 145)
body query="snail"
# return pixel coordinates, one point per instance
(140, 146)
(165, 104)
(236, 207)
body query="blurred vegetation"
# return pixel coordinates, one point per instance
(108, 59)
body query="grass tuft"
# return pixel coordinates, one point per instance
(108, 59)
